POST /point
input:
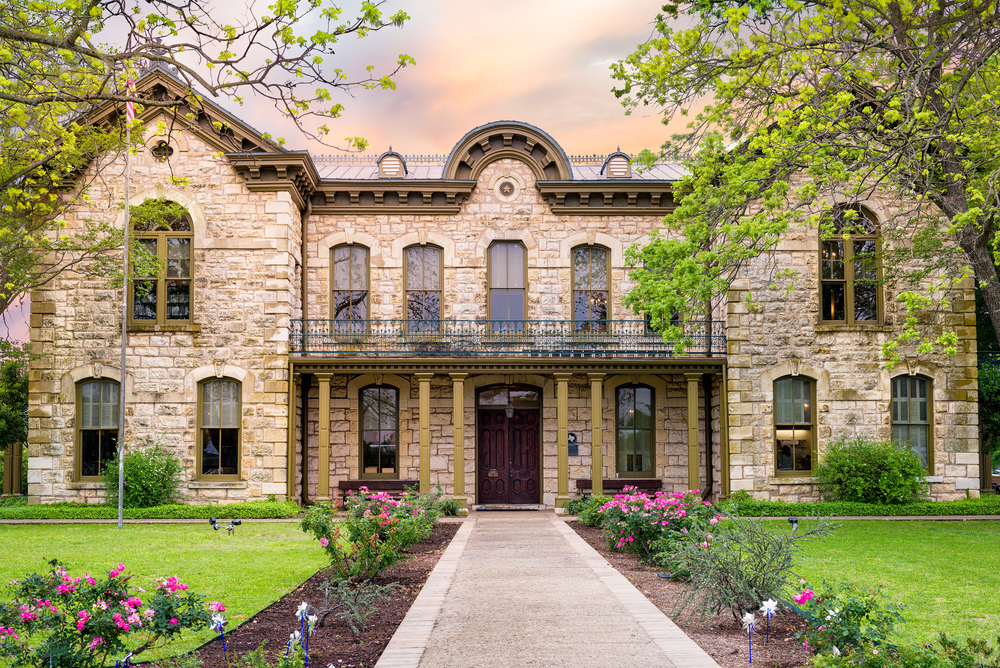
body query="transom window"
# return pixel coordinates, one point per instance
(379, 432)
(219, 415)
(165, 298)
(794, 424)
(590, 288)
(635, 431)
(423, 288)
(849, 284)
(911, 417)
(507, 282)
(97, 424)
(350, 284)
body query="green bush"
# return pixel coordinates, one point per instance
(846, 617)
(946, 653)
(246, 510)
(448, 507)
(590, 513)
(152, 478)
(868, 470)
(986, 505)
(989, 408)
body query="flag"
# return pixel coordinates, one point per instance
(129, 104)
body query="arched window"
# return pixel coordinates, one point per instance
(635, 431)
(794, 425)
(164, 298)
(590, 288)
(850, 290)
(96, 426)
(219, 429)
(911, 411)
(423, 288)
(508, 277)
(349, 299)
(379, 426)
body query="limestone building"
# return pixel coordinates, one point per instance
(457, 321)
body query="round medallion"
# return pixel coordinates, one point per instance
(506, 190)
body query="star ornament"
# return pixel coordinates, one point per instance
(218, 622)
(769, 607)
(748, 621)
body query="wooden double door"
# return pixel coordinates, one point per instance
(509, 466)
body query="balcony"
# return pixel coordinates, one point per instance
(499, 338)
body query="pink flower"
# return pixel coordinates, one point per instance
(149, 613)
(713, 521)
(95, 642)
(216, 606)
(806, 595)
(324, 542)
(121, 567)
(174, 621)
(113, 574)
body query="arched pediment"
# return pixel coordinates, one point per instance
(508, 139)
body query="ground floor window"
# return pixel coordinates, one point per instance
(794, 424)
(97, 426)
(910, 416)
(379, 432)
(634, 431)
(219, 414)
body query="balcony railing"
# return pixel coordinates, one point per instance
(500, 338)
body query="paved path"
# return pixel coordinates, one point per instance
(523, 589)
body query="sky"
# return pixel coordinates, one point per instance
(544, 62)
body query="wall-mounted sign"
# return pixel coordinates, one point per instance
(573, 447)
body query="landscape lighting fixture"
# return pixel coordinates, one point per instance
(794, 521)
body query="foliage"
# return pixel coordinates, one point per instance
(949, 653)
(588, 509)
(88, 511)
(13, 403)
(354, 602)
(645, 525)
(258, 659)
(866, 470)
(152, 478)
(985, 505)
(796, 106)
(56, 619)
(374, 532)
(989, 408)
(448, 507)
(846, 617)
(739, 564)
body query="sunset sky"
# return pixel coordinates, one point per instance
(545, 62)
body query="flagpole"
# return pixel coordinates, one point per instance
(129, 117)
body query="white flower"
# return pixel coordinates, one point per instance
(218, 622)
(748, 620)
(303, 611)
(769, 607)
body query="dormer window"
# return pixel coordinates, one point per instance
(391, 165)
(617, 166)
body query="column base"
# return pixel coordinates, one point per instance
(563, 500)
(461, 501)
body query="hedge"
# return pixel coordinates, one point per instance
(987, 505)
(248, 510)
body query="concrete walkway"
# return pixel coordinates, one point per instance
(523, 589)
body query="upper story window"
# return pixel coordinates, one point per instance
(590, 288)
(379, 431)
(635, 431)
(219, 429)
(850, 291)
(349, 301)
(794, 425)
(164, 298)
(911, 411)
(97, 427)
(507, 280)
(423, 288)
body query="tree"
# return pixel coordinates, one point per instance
(817, 100)
(55, 72)
(13, 396)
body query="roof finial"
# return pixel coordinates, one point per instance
(390, 148)
(619, 149)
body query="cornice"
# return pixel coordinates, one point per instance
(608, 197)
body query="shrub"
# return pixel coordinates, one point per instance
(634, 520)
(353, 602)
(56, 620)
(948, 653)
(846, 617)
(152, 478)
(448, 507)
(588, 509)
(866, 470)
(985, 505)
(88, 511)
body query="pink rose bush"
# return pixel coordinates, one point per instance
(846, 617)
(85, 622)
(647, 524)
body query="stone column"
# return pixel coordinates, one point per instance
(693, 470)
(562, 437)
(425, 430)
(323, 485)
(724, 434)
(458, 419)
(596, 433)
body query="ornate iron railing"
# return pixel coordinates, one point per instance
(474, 338)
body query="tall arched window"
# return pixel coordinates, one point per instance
(349, 299)
(379, 431)
(590, 288)
(164, 298)
(911, 411)
(794, 425)
(219, 429)
(508, 277)
(635, 431)
(850, 290)
(96, 426)
(423, 288)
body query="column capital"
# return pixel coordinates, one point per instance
(424, 375)
(693, 376)
(458, 377)
(562, 376)
(595, 377)
(324, 377)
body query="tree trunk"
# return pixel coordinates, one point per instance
(981, 260)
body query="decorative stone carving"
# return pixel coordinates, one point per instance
(220, 368)
(794, 365)
(97, 369)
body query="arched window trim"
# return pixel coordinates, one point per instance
(382, 475)
(585, 323)
(199, 471)
(357, 324)
(159, 239)
(646, 472)
(489, 281)
(78, 459)
(812, 426)
(930, 414)
(432, 324)
(830, 257)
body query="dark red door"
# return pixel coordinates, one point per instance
(509, 470)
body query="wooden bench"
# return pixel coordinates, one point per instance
(393, 487)
(616, 485)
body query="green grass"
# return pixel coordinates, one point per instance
(945, 573)
(246, 571)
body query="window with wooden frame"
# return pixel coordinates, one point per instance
(165, 299)
(635, 431)
(379, 427)
(423, 288)
(850, 285)
(508, 276)
(794, 425)
(219, 420)
(349, 297)
(591, 288)
(911, 412)
(96, 427)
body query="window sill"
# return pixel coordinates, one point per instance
(834, 327)
(85, 484)
(191, 328)
(217, 484)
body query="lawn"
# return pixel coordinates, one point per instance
(246, 571)
(946, 573)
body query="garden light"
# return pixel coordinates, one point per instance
(794, 521)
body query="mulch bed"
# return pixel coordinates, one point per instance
(334, 642)
(721, 636)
